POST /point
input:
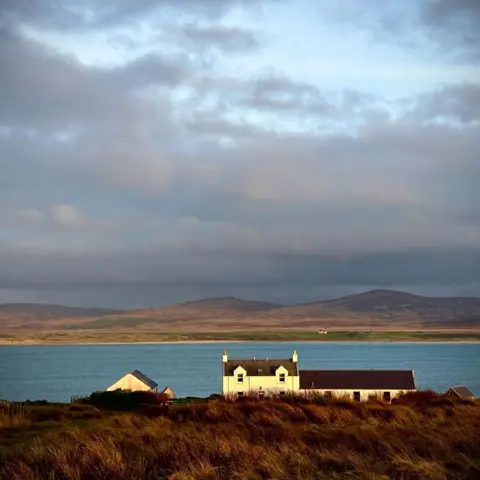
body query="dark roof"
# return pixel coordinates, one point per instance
(462, 391)
(260, 367)
(143, 378)
(357, 379)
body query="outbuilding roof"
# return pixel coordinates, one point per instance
(260, 367)
(357, 380)
(461, 391)
(168, 391)
(143, 378)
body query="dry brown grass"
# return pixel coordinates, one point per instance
(427, 436)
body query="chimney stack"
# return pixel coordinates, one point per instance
(225, 357)
(294, 356)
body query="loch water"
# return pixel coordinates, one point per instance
(58, 372)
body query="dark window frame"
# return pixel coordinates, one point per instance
(357, 396)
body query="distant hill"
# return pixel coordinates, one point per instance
(374, 309)
(231, 304)
(392, 304)
(34, 312)
(57, 311)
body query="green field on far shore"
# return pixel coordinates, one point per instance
(241, 336)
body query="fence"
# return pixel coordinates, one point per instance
(13, 409)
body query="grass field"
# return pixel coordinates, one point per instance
(264, 336)
(424, 436)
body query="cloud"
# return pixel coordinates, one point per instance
(43, 89)
(21, 216)
(68, 216)
(277, 92)
(460, 103)
(87, 14)
(226, 39)
(455, 23)
(139, 280)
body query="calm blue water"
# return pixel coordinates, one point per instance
(56, 373)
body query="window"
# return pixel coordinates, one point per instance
(386, 396)
(240, 378)
(281, 378)
(328, 395)
(240, 394)
(282, 394)
(356, 396)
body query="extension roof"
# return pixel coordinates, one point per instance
(357, 380)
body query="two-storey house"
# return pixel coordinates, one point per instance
(260, 376)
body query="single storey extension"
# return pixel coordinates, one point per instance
(357, 384)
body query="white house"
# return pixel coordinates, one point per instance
(273, 376)
(134, 381)
(261, 376)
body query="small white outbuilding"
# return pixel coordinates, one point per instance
(134, 381)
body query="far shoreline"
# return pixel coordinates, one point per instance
(206, 342)
(58, 337)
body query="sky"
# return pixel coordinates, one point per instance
(280, 150)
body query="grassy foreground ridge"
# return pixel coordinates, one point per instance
(264, 336)
(421, 436)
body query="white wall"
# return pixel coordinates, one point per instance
(130, 382)
(364, 394)
(255, 383)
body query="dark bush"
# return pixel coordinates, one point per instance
(123, 400)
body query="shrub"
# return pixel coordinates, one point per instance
(125, 400)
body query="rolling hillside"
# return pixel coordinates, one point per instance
(232, 304)
(374, 309)
(39, 314)
(391, 305)
(41, 310)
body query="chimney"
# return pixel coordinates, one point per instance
(294, 357)
(225, 357)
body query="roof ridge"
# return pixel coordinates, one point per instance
(144, 378)
(357, 370)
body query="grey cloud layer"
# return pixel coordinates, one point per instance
(455, 22)
(164, 174)
(89, 14)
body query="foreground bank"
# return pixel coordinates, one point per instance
(98, 337)
(420, 436)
